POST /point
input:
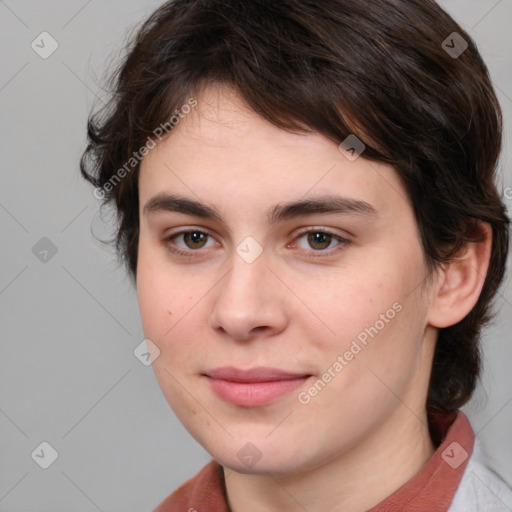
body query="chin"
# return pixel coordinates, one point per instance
(262, 456)
(262, 467)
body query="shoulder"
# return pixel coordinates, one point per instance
(480, 489)
(206, 487)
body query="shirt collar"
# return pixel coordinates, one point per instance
(435, 484)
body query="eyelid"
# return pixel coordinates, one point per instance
(319, 229)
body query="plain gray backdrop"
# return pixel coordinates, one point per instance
(69, 316)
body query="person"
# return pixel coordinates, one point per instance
(307, 204)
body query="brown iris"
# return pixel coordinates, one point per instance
(196, 237)
(323, 239)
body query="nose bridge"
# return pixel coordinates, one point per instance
(246, 299)
(248, 266)
(246, 283)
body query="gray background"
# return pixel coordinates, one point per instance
(70, 324)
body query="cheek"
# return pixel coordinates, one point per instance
(349, 301)
(159, 295)
(149, 296)
(170, 303)
(166, 305)
(374, 313)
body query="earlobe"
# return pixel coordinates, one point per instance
(461, 281)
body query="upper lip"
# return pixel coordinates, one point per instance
(258, 374)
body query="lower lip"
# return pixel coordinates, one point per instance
(253, 394)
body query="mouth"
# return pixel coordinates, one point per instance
(253, 387)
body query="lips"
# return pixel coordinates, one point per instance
(255, 386)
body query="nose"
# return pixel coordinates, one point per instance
(250, 301)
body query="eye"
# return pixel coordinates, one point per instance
(320, 239)
(193, 240)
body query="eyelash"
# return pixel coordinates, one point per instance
(343, 242)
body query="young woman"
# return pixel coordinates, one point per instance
(306, 202)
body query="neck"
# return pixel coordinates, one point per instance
(353, 482)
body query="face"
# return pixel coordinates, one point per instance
(330, 298)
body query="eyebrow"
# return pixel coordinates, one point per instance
(283, 211)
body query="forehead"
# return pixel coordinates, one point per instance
(223, 150)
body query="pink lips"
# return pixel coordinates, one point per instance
(253, 387)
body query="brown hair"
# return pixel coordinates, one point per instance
(326, 67)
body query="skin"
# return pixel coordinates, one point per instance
(365, 433)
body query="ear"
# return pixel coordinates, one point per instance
(460, 282)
